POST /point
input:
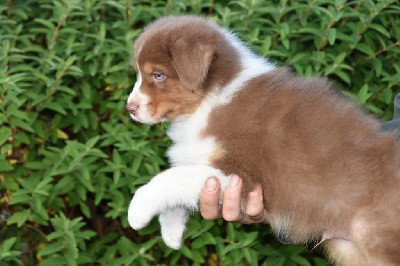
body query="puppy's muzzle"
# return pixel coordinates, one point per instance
(132, 108)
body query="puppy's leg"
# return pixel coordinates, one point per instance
(345, 253)
(179, 186)
(173, 223)
(384, 249)
(379, 239)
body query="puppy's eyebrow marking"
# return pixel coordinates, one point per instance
(148, 68)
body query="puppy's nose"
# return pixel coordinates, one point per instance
(132, 108)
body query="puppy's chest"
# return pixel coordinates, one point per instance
(190, 145)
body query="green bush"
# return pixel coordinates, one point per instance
(71, 158)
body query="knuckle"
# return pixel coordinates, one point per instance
(256, 196)
(208, 216)
(231, 218)
(254, 213)
(231, 214)
(260, 217)
(254, 208)
(210, 210)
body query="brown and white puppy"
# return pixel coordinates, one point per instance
(327, 171)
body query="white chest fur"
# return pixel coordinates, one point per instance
(174, 192)
(190, 146)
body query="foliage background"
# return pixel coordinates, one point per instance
(70, 157)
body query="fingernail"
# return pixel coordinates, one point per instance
(211, 184)
(234, 181)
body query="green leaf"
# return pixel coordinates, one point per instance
(45, 22)
(6, 254)
(91, 142)
(298, 57)
(21, 124)
(249, 238)
(70, 60)
(5, 166)
(342, 75)
(7, 244)
(300, 260)
(5, 133)
(147, 245)
(102, 31)
(379, 28)
(275, 261)
(320, 262)
(363, 94)
(19, 218)
(339, 58)
(100, 188)
(366, 49)
(56, 107)
(36, 165)
(85, 179)
(86, 90)
(331, 36)
(187, 252)
(50, 249)
(54, 260)
(20, 197)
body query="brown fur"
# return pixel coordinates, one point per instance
(326, 169)
(322, 163)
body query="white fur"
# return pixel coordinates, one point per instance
(177, 187)
(189, 147)
(252, 66)
(173, 224)
(176, 191)
(136, 96)
(344, 252)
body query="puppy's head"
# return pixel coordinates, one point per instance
(172, 59)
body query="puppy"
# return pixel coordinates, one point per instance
(327, 171)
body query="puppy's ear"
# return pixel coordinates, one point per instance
(191, 62)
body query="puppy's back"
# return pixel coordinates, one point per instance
(316, 154)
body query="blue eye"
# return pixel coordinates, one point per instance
(158, 76)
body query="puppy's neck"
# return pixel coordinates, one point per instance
(224, 84)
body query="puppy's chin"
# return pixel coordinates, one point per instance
(146, 120)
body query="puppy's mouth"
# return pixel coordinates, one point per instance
(168, 115)
(135, 118)
(150, 119)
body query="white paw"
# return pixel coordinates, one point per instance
(172, 240)
(139, 212)
(173, 225)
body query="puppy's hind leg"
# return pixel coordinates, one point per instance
(380, 240)
(344, 253)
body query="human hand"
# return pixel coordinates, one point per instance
(232, 209)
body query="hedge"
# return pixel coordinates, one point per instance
(71, 158)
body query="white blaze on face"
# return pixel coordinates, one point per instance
(140, 100)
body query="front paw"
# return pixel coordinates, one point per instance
(173, 225)
(139, 211)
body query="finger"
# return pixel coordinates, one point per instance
(210, 208)
(231, 204)
(255, 205)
